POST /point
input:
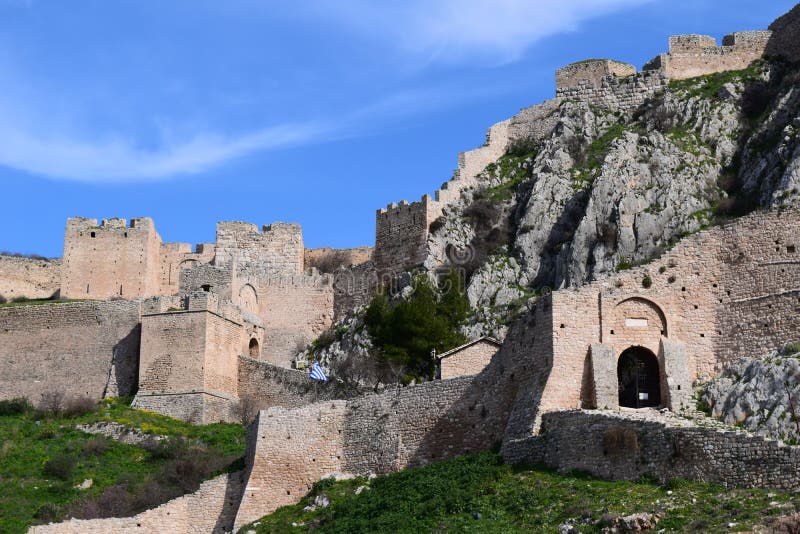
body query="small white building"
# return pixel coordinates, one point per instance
(468, 359)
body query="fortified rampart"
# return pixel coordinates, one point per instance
(295, 311)
(630, 446)
(29, 277)
(277, 246)
(726, 292)
(401, 230)
(209, 510)
(615, 85)
(591, 71)
(401, 235)
(117, 259)
(608, 84)
(76, 348)
(328, 260)
(382, 433)
(111, 259)
(696, 55)
(177, 257)
(188, 365)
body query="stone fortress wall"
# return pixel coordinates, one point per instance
(328, 260)
(704, 305)
(209, 510)
(690, 56)
(660, 446)
(189, 355)
(545, 369)
(723, 293)
(33, 278)
(247, 294)
(263, 272)
(618, 86)
(121, 259)
(401, 230)
(78, 348)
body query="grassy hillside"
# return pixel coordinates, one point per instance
(43, 458)
(477, 493)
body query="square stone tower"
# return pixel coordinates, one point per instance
(112, 259)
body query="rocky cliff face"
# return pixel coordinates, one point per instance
(594, 190)
(759, 394)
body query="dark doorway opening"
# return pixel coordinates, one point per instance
(639, 379)
(254, 351)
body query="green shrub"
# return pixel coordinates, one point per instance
(16, 406)
(48, 512)
(408, 332)
(62, 465)
(95, 447)
(77, 406)
(647, 281)
(624, 264)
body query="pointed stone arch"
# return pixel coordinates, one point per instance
(248, 298)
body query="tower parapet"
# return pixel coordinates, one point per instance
(693, 55)
(401, 230)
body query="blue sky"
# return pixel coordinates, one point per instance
(312, 111)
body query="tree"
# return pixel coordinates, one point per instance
(429, 319)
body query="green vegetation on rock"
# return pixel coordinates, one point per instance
(407, 332)
(709, 87)
(43, 458)
(590, 162)
(478, 493)
(512, 169)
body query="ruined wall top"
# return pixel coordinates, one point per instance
(84, 223)
(277, 245)
(690, 43)
(593, 71)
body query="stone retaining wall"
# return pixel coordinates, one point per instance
(77, 348)
(628, 446)
(209, 510)
(29, 277)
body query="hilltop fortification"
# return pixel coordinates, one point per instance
(629, 239)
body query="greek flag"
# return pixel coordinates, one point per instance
(317, 373)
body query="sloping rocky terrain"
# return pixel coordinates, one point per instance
(606, 189)
(761, 395)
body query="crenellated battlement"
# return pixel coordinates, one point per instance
(401, 230)
(616, 85)
(690, 43)
(697, 55)
(591, 72)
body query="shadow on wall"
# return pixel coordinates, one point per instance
(234, 491)
(123, 379)
(417, 425)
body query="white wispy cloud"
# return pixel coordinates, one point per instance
(31, 143)
(117, 159)
(458, 31)
(425, 31)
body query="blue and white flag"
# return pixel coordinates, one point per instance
(317, 373)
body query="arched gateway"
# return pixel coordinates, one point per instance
(639, 379)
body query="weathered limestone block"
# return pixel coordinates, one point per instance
(676, 373)
(604, 374)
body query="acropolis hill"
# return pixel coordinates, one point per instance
(623, 245)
